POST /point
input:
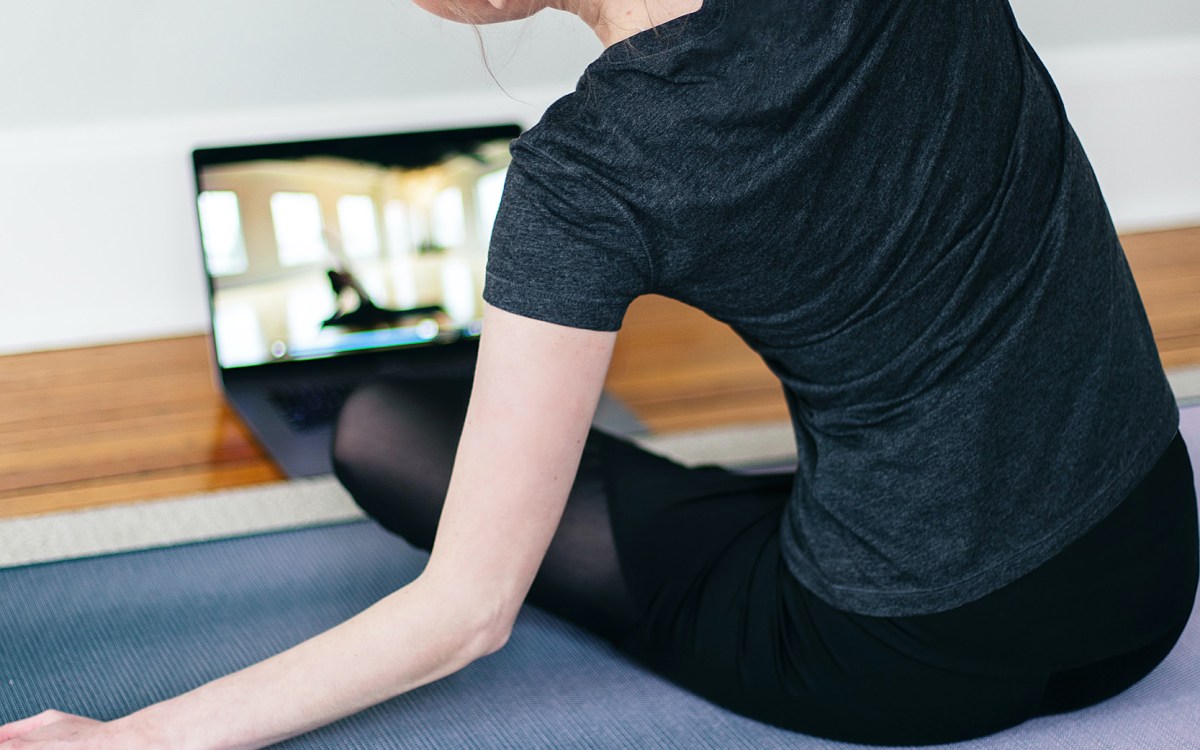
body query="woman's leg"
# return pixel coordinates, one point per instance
(394, 451)
(1149, 544)
(1098, 616)
(1085, 686)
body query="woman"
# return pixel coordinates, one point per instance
(993, 515)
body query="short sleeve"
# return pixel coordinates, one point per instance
(563, 249)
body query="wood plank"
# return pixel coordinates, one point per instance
(92, 401)
(182, 354)
(105, 491)
(1180, 351)
(62, 429)
(1169, 246)
(212, 442)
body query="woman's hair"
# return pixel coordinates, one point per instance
(487, 63)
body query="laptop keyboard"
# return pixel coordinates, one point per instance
(310, 406)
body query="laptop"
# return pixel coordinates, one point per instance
(337, 261)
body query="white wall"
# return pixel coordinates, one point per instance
(81, 61)
(1059, 23)
(1129, 73)
(102, 102)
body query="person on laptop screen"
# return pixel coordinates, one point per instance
(992, 516)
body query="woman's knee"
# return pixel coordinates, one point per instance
(352, 445)
(393, 450)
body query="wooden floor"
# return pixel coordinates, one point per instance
(129, 422)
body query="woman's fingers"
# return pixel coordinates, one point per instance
(25, 726)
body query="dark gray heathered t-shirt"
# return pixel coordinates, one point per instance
(885, 200)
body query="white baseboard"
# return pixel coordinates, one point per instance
(98, 241)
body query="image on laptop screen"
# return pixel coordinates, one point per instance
(319, 248)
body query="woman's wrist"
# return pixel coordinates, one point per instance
(145, 730)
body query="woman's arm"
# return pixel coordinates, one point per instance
(535, 392)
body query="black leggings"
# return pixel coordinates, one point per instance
(681, 568)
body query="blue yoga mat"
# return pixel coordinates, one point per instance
(106, 636)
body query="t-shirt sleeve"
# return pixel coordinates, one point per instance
(563, 249)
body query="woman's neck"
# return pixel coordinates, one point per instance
(616, 20)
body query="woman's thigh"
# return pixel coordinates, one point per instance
(724, 618)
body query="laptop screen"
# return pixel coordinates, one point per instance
(319, 248)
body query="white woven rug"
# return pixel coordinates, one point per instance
(1185, 381)
(304, 502)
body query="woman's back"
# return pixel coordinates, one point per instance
(887, 202)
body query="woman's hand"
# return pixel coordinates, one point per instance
(50, 730)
